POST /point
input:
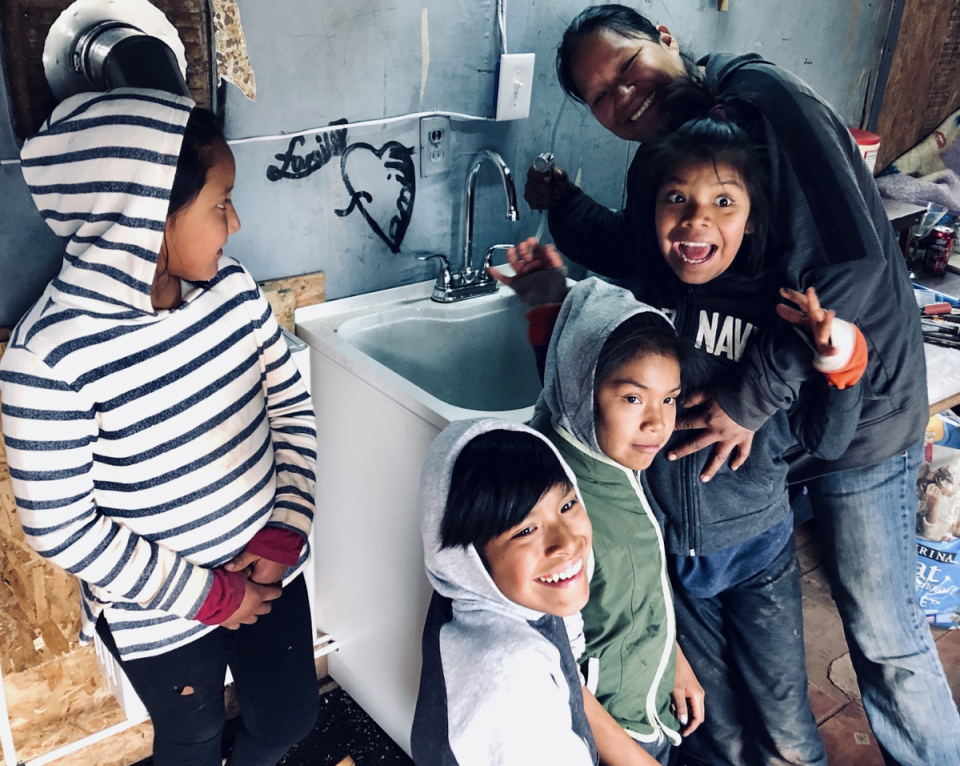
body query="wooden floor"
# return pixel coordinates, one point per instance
(834, 695)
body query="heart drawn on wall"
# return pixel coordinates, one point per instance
(382, 185)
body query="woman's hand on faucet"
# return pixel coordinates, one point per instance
(544, 189)
(539, 274)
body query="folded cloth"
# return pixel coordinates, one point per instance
(942, 187)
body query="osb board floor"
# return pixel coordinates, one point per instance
(51, 723)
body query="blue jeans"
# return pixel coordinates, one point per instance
(273, 671)
(866, 521)
(746, 646)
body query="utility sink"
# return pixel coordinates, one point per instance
(389, 371)
(444, 361)
(474, 356)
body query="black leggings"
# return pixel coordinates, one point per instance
(273, 670)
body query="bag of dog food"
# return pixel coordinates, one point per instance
(938, 536)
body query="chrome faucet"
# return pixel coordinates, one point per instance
(469, 282)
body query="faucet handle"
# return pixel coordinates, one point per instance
(443, 278)
(488, 258)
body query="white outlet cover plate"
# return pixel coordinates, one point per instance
(515, 86)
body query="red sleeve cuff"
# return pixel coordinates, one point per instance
(540, 323)
(850, 374)
(224, 597)
(280, 545)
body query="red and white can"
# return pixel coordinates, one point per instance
(939, 246)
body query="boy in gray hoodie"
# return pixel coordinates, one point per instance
(506, 545)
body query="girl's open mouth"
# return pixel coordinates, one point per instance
(564, 577)
(694, 252)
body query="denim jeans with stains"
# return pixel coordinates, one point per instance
(273, 670)
(746, 647)
(866, 521)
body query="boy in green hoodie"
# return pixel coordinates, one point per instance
(608, 406)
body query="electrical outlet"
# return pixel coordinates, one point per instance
(514, 86)
(435, 140)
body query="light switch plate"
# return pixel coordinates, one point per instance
(514, 86)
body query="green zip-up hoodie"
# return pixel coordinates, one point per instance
(629, 662)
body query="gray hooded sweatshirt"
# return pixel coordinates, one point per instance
(499, 684)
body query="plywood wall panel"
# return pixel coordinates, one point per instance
(924, 83)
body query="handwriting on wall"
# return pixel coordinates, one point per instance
(329, 145)
(381, 182)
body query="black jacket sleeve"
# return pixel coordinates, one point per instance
(826, 418)
(596, 237)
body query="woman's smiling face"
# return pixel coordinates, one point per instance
(622, 80)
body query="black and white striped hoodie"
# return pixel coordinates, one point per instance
(146, 447)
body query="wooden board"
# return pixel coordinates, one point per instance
(307, 288)
(924, 83)
(59, 702)
(284, 303)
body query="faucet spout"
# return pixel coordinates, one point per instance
(509, 190)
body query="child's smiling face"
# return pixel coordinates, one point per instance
(541, 562)
(194, 237)
(702, 214)
(637, 410)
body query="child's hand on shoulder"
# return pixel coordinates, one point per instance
(810, 315)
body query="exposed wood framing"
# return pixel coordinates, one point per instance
(924, 81)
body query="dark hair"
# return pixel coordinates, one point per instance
(199, 135)
(625, 21)
(706, 130)
(645, 334)
(497, 480)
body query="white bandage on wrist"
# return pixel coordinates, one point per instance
(843, 337)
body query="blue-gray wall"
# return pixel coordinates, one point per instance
(317, 62)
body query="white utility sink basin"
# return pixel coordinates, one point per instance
(389, 371)
(473, 356)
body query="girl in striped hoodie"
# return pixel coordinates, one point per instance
(161, 443)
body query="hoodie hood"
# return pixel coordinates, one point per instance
(592, 310)
(458, 573)
(100, 171)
